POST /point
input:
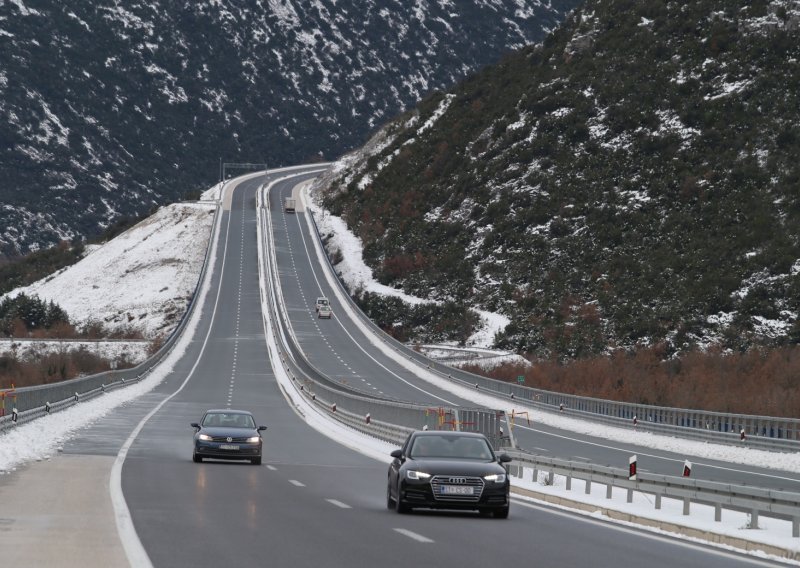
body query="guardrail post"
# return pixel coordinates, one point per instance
(658, 501)
(609, 490)
(686, 504)
(796, 527)
(754, 519)
(718, 513)
(588, 486)
(630, 495)
(569, 482)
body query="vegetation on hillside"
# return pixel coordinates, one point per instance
(604, 200)
(763, 382)
(24, 315)
(427, 322)
(28, 317)
(52, 367)
(16, 272)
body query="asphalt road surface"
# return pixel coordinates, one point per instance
(314, 502)
(339, 349)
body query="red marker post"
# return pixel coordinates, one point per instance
(632, 468)
(687, 468)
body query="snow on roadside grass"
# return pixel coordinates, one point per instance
(132, 351)
(41, 438)
(142, 280)
(358, 276)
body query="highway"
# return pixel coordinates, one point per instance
(339, 348)
(313, 501)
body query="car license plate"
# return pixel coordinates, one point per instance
(456, 490)
(228, 447)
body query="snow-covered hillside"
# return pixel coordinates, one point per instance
(359, 278)
(140, 281)
(110, 107)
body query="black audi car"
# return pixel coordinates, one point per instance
(448, 470)
(226, 434)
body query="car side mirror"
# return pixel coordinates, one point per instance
(504, 458)
(262, 428)
(397, 454)
(195, 425)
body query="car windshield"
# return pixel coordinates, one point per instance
(228, 420)
(465, 447)
(322, 301)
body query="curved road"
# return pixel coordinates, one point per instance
(313, 501)
(339, 348)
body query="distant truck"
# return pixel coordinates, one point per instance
(288, 205)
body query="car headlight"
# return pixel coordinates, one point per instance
(205, 437)
(496, 477)
(253, 439)
(412, 474)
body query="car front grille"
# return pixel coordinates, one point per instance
(439, 481)
(233, 440)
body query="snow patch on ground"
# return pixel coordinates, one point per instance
(142, 280)
(132, 351)
(357, 276)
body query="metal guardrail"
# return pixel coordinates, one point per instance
(377, 416)
(763, 432)
(28, 403)
(757, 502)
(394, 428)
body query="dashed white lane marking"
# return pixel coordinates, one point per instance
(272, 468)
(297, 483)
(412, 534)
(338, 504)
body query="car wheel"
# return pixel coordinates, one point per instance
(501, 513)
(196, 458)
(399, 506)
(256, 461)
(389, 500)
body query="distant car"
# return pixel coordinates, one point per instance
(321, 301)
(324, 312)
(448, 470)
(225, 434)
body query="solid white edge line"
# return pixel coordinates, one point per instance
(652, 533)
(468, 394)
(311, 415)
(643, 530)
(297, 483)
(134, 550)
(337, 292)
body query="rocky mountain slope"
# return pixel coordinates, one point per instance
(110, 107)
(631, 181)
